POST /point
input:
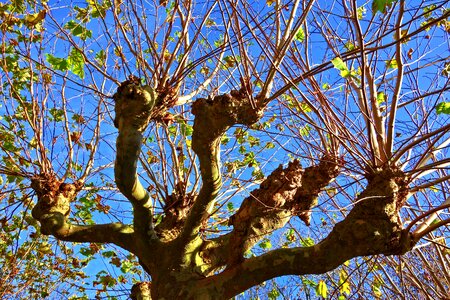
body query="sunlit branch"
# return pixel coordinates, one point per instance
(430, 168)
(133, 106)
(398, 84)
(184, 99)
(184, 37)
(182, 64)
(432, 151)
(343, 242)
(431, 215)
(68, 133)
(281, 50)
(438, 92)
(372, 117)
(116, 233)
(426, 261)
(94, 143)
(35, 121)
(159, 187)
(421, 187)
(418, 234)
(131, 44)
(419, 140)
(353, 54)
(212, 118)
(150, 43)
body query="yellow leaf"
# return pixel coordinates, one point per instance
(322, 289)
(34, 19)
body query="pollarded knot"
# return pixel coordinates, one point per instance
(141, 291)
(213, 116)
(134, 105)
(315, 179)
(53, 195)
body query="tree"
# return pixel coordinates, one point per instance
(321, 127)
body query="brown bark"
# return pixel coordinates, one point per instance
(183, 265)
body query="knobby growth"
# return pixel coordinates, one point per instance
(196, 136)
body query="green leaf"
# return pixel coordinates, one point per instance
(443, 108)
(86, 251)
(428, 10)
(225, 139)
(230, 206)
(309, 282)
(339, 64)
(349, 46)
(381, 5)
(98, 9)
(300, 35)
(381, 97)
(304, 107)
(392, 64)
(78, 30)
(210, 23)
(269, 145)
(376, 291)
(307, 242)
(108, 281)
(126, 266)
(305, 130)
(344, 285)
(290, 235)
(446, 71)
(32, 20)
(265, 244)
(361, 11)
(57, 114)
(108, 254)
(76, 63)
(321, 289)
(273, 294)
(230, 62)
(219, 41)
(186, 129)
(57, 63)
(100, 57)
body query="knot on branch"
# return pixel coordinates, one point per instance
(274, 193)
(266, 209)
(292, 189)
(280, 186)
(176, 209)
(315, 179)
(141, 291)
(374, 224)
(213, 116)
(134, 104)
(285, 192)
(54, 198)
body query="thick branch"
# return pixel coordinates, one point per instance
(116, 233)
(53, 208)
(285, 193)
(372, 227)
(212, 118)
(133, 108)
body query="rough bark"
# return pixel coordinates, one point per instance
(183, 265)
(52, 210)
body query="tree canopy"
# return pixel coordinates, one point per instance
(224, 148)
